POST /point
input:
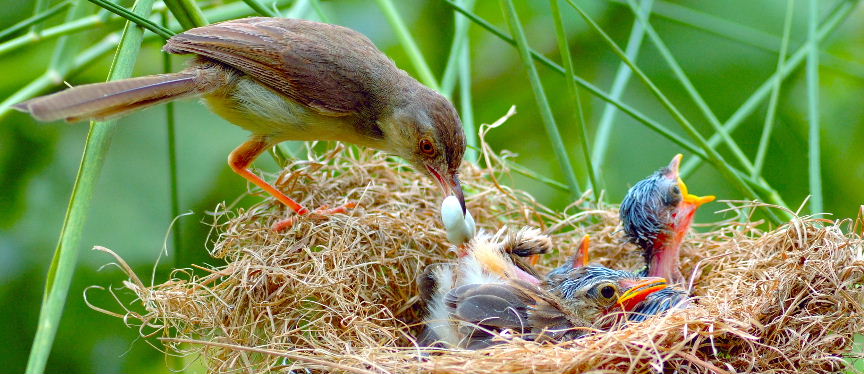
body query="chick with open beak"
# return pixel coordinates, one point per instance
(656, 214)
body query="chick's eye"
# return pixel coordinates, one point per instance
(607, 291)
(676, 190)
(426, 147)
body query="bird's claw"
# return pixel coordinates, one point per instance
(320, 214)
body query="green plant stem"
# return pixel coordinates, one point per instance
(140, 21)
(630, 111)
(744, 34)
(36, 19)
(260, 8)
(316, 4)
(66, 254)
(833, 20)
(713, 156)
(460, 38)
(70, 27)
(765, 139)
(567, 61)
(690, 88)
(187, 13)
(813, 109)
(619, 83)
(540, 96)
(423, 71)
(38, 7)
(173, 175)
(465, 103)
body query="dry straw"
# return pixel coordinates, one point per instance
(339, 295)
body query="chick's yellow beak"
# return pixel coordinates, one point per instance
(689, 198)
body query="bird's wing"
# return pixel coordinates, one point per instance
(327, 67)
(488, 309)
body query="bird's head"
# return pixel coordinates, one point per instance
(595, 291)
(657, 212)
(425, 130)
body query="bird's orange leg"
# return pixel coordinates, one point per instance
(243, 156)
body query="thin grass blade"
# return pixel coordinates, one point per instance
(815, 167)
(540, 96)
(131, 16)
(424, 73)
(832, 21)
(630, 111)
(66, 255)
(460, 38)
(35, 20)
(187, 13)
(765, 138)
(260, 8)
(619, 83)
(567, 61)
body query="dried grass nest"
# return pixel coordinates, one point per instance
(339, 295)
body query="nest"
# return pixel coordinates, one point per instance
(339, 295)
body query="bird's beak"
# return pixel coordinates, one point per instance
(581, 257)
(674, 172)
(450, 184)
(638, 290)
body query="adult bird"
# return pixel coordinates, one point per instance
(288, 79)
(656, 215)
(486, 297)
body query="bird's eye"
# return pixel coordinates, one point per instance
(676, 190)
(607, 291)
(426, 147)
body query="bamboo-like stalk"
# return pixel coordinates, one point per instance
(713, 156)
(173, 175)
(765, 138)
(140, 21)
(316, 4)
(540, 96)
(424, 73)
(619, 83)
(832, 21)
(36, 19)
(744, 34)
(260, 8)
(465, 103)
(815, 167)
(187, 13)
(567, 61)
(690, 88)
(630, 111)
(66, 254)
(460, 38)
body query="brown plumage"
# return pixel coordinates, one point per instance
(288, 79)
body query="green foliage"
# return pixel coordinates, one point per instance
(704, 72)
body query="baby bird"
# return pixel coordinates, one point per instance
(656, 214)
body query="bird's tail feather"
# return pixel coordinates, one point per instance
(113, 99)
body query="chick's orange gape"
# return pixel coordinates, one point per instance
(289, 79)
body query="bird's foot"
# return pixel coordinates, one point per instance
(319, 214)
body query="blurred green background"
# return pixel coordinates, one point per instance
(131, 211)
